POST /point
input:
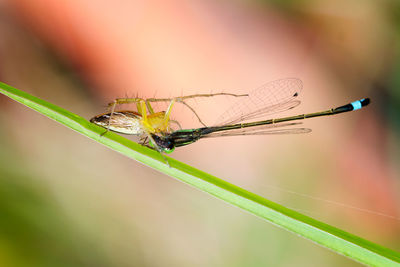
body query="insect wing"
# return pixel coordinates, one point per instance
(273, 97)
(262, 130)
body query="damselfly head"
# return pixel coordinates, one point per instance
(166, 144)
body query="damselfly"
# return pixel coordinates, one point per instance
(273, 97)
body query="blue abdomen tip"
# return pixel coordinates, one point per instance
(357, 104)
(360, 103)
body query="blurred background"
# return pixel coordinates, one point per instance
(68, 201)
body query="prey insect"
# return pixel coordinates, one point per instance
(273, 97)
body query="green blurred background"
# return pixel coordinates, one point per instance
(67, 201)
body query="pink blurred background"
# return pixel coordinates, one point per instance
(68, 200)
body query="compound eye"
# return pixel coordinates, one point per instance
(164, 143)
(167, 146)
(169, 150)
(171, 146)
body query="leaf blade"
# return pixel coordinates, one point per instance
(328, 236)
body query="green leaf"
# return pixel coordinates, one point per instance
(328, 236)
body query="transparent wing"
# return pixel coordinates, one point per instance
(262, 130)
(273, 97)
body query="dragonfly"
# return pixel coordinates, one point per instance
(157, 131)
